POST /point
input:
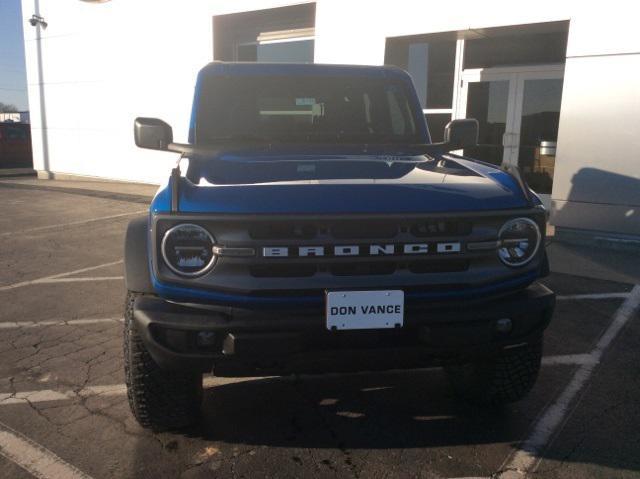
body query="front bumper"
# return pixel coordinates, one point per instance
(253, 343)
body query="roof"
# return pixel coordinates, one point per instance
(298, 69)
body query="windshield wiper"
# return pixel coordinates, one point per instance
(214, 145)
(387, 159)
(240, 137)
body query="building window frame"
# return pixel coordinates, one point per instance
(457, 89)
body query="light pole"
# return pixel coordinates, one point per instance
(39, 23)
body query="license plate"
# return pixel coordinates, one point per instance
(365, 309)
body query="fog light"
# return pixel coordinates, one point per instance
(206, 338)
(504, 325)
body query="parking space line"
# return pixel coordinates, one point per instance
(56, 276)
(49, 395)
(593, 296)
(80, 280)
(28, 397)
(72, 223)
(528, 457)
(70, 322)
(35, 458)
(567, 359)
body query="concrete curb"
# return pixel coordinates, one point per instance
(109, 195)
(598, 239)
(11, 172)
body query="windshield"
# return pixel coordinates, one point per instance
(317, 109)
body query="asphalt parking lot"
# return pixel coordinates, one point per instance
(63, 409)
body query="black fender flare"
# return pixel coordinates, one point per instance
(137, 276)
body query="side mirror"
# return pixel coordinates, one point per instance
(459, 134)
(152, 133)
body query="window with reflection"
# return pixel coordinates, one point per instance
(539, 131)
(282, 34)
(293, 50)
(431, 65)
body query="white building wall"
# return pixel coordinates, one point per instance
(597, 179)
(104, 64)
(101, 65)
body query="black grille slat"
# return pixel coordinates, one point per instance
(362, 269)
(283, 271)
(364, 229)
(449, 266)
(282, 231)
(298, 270)
(439, 228)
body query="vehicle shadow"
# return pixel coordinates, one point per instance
(347, 420)
(410, 409)
(340, 425)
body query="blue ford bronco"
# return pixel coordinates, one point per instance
(312, 226)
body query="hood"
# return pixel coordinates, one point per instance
(336, 184)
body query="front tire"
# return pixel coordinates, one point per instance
(159, 399)
(503, 378)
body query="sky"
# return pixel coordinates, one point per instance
(13, 78)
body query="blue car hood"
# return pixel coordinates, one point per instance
(410, 184)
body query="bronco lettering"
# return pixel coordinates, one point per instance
(358, 250)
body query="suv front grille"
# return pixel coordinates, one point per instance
(360, 233)
(375, 264)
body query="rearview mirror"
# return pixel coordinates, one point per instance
(152, 133)
(459, 134)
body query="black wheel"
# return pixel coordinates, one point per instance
(159, 399)
(504, 378)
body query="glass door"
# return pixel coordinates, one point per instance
(538, 99)
(488, 96)
(518, 111)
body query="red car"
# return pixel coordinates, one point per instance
(15, 145)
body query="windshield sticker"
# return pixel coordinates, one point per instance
(306, 168)
(305, 101)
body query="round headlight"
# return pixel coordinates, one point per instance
(187, 250)
(519, 241)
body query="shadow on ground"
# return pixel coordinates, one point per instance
(372, 411)
(363, 424)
